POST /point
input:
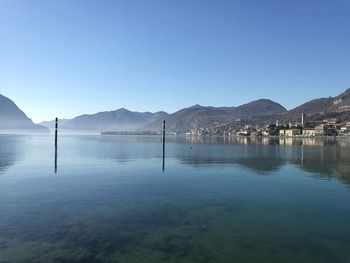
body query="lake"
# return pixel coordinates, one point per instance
(217, 200)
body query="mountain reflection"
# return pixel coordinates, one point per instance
(261, 165)
(326, 158)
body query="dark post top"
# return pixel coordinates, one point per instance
(56, 128)
(163, 134)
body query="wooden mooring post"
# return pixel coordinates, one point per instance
(163, 145)
(56, 130)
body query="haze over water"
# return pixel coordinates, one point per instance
(218, 200)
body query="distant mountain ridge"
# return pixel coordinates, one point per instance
(195, 116)
(202, 117)
(263, 111)
(13, 118)
(51, 124)
(118, 120)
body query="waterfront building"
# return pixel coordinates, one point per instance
(309, 132)
(326, 130)
(290, 132)
(319, 130)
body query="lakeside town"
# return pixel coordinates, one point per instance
(331, 127)
(327, 127)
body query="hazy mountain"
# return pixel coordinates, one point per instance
(12, 118)
(51, 124)
(118, 120)
(261, 111)
(200, 116)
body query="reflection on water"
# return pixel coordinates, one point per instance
(112, 203)
(163, 160)
(55, 158)
(8, 152)
(324, 157)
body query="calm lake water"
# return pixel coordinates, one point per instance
(217, 200)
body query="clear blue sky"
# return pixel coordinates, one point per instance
(67, 57)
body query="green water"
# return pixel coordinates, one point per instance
(217, 200)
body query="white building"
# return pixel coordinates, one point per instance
(290, 132)
(309, 132)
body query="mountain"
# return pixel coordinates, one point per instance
(118, 120)
(51, 124)
(12, 118)
(260, 107)
(322, 108)
(261, 111)
(341, 102)
(180, 121)
(195, 116)
(312, 107)
(199, 116)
